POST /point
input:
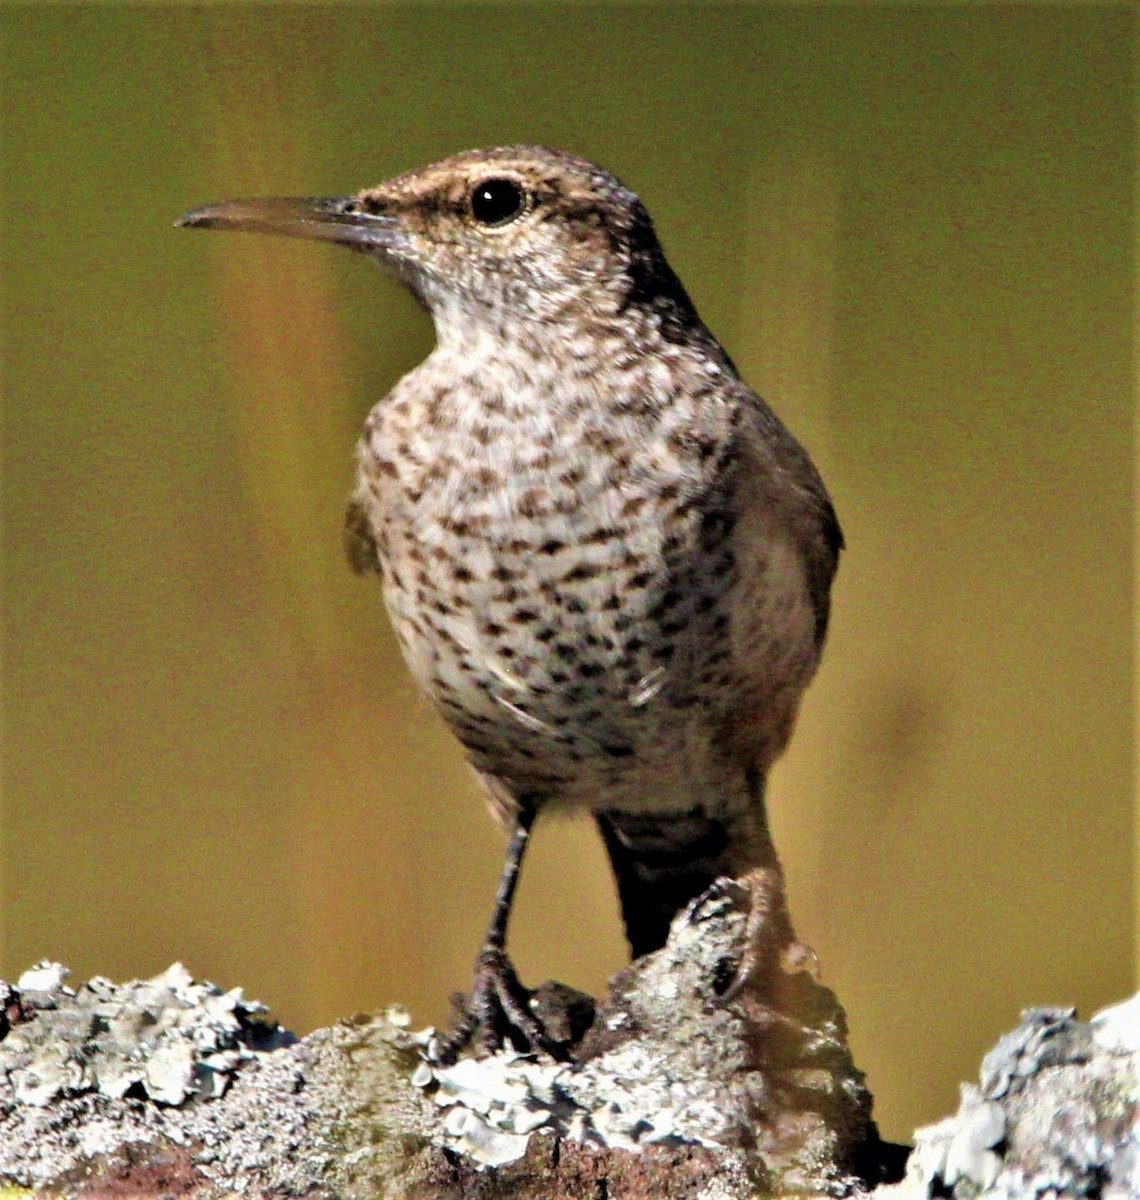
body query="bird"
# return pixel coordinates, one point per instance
(607, 562)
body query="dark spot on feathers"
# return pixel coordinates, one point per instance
(359, 540)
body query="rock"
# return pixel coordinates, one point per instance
(717, 1069)
(1057, 1114)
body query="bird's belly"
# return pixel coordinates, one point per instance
(572, 614)
(578, 669)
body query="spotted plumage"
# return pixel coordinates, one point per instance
(607, 562)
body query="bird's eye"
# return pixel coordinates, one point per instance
(497, 201)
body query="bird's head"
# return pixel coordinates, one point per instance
(508, 234)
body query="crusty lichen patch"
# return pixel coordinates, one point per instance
(168, 1038)
(1056, 1112)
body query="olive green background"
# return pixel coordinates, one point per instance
(913, 229)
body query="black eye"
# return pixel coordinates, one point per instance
(497, 201)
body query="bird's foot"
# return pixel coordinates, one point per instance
(498, 1013)
(769, 946)
(722, 893)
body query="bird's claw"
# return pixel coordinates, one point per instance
(768, 944)
(495, 1015)
(711, 902)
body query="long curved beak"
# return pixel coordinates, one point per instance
(337, 219)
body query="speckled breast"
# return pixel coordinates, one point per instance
(558, 585)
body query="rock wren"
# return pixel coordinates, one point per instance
(606, 560)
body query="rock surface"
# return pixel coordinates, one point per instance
(171, 1087)
(177, 1088)
(1056, 1114)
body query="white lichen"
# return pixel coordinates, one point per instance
(171, 1038)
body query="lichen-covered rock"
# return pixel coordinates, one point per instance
(167, 1038)
(669, 1062)
(293, 1118)
(1056, 1114)
(717, 1069)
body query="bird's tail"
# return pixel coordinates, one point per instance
(663, 861)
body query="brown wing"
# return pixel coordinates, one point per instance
(786, 544)
(790, 484)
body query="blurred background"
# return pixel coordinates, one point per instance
(913, 230)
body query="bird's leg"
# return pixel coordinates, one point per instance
(498, 1010)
